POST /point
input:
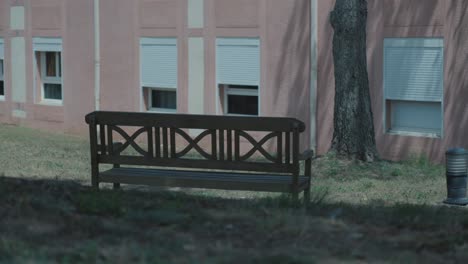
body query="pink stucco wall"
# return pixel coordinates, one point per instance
(73, 22)
(281, 25)
(5, 104)
(402, 18)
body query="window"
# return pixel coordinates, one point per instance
(51, 75)
(162, 100)
(238, 75)
(240, 100)
(158, 58)
(48, 56)
(2, 71)
(413, 85)
(2, 80)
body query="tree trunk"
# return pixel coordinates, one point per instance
(353, 135)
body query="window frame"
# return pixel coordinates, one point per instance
(419, 42)
(240, 92)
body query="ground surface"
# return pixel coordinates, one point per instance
(360, 213)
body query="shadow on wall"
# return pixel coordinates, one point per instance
(453, 17)
(456, 75)
(291, 76)
(325, 78)
(401, 18)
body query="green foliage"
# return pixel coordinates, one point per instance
(283, 259)
(100, 203)
(161, 217)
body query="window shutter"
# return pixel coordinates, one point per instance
(238, 61)
(47, 44)
(2, 49)
(413, 69)
(158, 58)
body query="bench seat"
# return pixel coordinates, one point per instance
(202, 179)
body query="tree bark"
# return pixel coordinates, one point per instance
(353, 134)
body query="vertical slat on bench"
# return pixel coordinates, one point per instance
(221, 144)
(173, 142)
(287, 148)
(236, 145)
(295, 157)
(102, 139)
(165, 143)
(116, 145)
(157, 136)
(229, 144)
(94, 156)
(150, 142)
(214, 150)
(279, 148)
(110, 141)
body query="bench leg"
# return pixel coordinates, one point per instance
(95, 184)
(116, 186)
(295, 196)
(95, 180)
(307, 196)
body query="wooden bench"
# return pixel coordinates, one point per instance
(222, 165)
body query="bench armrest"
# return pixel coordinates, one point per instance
(308, 154)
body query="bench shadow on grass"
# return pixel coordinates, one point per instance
(63, 220)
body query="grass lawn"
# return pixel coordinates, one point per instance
(382, 212)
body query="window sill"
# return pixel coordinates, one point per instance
(162, 111)
(414, 134)
(228, 114)
(50, 102)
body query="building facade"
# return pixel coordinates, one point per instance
(417, 64)
(61, 59)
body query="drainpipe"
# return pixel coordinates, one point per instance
(97, 57)
(313, 73)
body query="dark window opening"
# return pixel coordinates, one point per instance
(163, 99)
(242, 104)
(53, 91)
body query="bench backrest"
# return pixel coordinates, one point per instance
(161, 131)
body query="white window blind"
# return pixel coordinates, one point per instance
(47, 44)
(422, 117)
(413, 84)
(413, 69)
(158, 62)
(238, 61)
